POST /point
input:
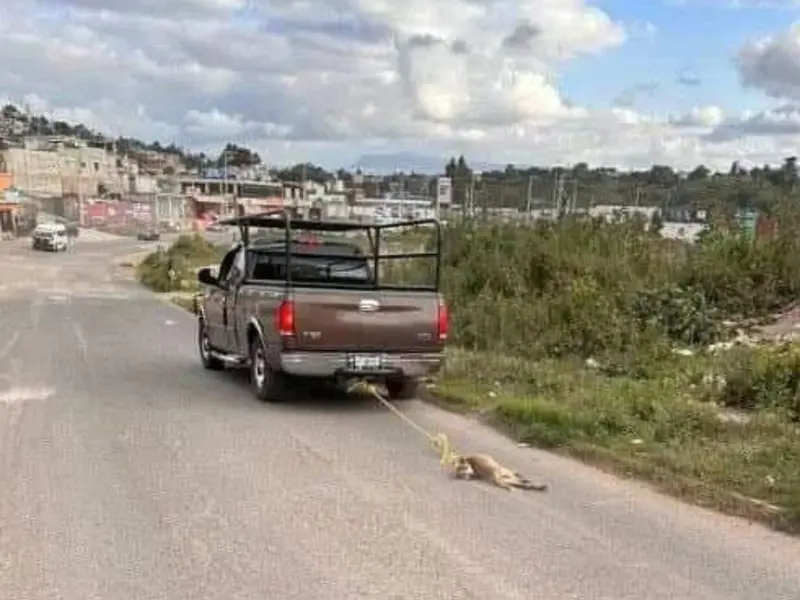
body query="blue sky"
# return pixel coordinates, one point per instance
(701, 40)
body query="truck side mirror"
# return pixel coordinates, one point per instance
(205, 276)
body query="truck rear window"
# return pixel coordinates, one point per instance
(270, 266)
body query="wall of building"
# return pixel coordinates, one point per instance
(143, 184)
(84, 171)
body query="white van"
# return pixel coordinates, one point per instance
(50, 236)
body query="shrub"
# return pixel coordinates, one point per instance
(174, 269)
(560, 289)
(684, 314)
(195, 249)
(162, 271)
(763, 378)
(585, 287)
(745, 277)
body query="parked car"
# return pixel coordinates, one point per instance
(149, 235)
(50, 236)
(316, 309)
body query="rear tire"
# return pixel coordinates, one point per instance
(268, 384)
(402, 389)
(210, 362)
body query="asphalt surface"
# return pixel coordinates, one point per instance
(128, 472)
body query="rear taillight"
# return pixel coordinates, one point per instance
(442, 321)
(284, 319)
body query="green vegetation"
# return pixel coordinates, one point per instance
(531, 305)
(588, 288)
(174, 269)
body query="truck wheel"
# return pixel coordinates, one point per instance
(268, 384)
(210, 362)
(402, 389)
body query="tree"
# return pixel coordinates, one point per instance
(450, 168)
(789, 172)
(661, 175)
(699, 173)
(10, 111)
(237, 156)
(305, 171)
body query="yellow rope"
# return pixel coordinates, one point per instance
(440, 441)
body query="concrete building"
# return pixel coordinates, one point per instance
(134, 211)
(222, 198)
(54, 166)
(393, 208)
(17, 212)
(154, 162)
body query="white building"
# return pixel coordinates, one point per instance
(393, 208)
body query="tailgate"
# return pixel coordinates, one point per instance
(365, 320)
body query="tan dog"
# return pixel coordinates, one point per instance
(483, 466)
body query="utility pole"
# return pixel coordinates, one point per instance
(529, 198)
(471, 194)
(559, 200)
(574, 200)
(473, 177)
(225, 179)
(303, 176)
(80, 185)
(27, 151)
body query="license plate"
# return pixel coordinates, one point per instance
(365, 362)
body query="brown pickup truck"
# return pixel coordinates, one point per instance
(314, 307)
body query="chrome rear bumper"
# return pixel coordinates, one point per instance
(332, 364)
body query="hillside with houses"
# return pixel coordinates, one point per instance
(124, 183)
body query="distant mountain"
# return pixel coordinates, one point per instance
(385, 164)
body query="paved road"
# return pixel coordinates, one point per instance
(128, 472)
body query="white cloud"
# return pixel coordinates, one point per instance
(701, 117)
(772, 63)
(299, 80)
(222, 127)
